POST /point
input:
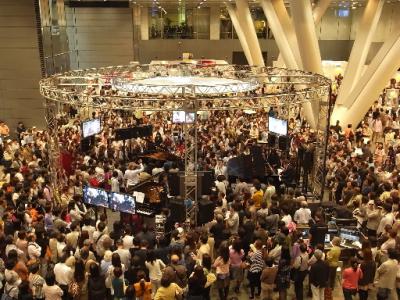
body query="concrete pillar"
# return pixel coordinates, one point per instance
(215, 22)
(304, 27)
(279, 34)
(287, 26)
(365, 32)
(240, 33)
(320, 9)
(144, 23)
(136, 17)
(246, 22)
(370, 85)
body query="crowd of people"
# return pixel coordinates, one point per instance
(51, 246)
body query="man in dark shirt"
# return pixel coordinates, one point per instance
(318, 230)
(319, 274)
(217, 231)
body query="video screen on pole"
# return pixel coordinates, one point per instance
(277, 126)
(181, 116)
(95, 196)
(122, 202)
(91, 127)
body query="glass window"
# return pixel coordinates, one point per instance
(179, 23)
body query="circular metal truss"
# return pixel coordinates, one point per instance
(225, 87)
(257, 87)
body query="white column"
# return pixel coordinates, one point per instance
(370, 85)
(320, 9)
(304, 27)
(240, 33)
(246, 22)
(282, 42)
(144, 23)
(215, 22)
(286, 22)
(365, 32)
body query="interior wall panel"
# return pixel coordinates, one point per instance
(100, 36)
(19, 65)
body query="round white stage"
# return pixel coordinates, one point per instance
(197, 85)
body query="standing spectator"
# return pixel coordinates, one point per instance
(368, 268)
(319, 275)
(303, 214)
(256, 266)
(236, 256)
(143, 289)
(301, 266)
(283, 273)
(197, 283)
(386, 276)
(155, 267)
(36, 282)
(222, 263)
(332, 258)
(351, 277)
(51, 290)
(168, 289)
(268, 276)
(96, 283)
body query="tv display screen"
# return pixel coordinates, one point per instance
(122, 202)
(181, 116)
(91, 127)
(349, 234)
(277, 126)
(95, 196)
(343, 13)
(190, 117)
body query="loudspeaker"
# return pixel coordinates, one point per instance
(271, 140)
(85, 145)
(205, 213)
(122, 134)
(283, 143)
(178, 210)
(146, 131)
(133, 132)
(174, 183)
(205, 182)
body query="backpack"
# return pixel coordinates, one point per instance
(73, 289)
(6, 293)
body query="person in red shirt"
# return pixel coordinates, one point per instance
(351, 276)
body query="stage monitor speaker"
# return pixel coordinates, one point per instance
(178, 210)
(85, 145)
(122, 134)
(283, 143)
(205, 182)
(271, 140)
(174, 182)
(205, 213)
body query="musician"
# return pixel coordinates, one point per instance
(288, 175)
(274, 159)
(131, 175)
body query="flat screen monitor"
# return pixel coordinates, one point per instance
(95, 196)
(277, 126)
(327, 238)
(91, 127)
(122, 202)
(351, 235)
(181, 116)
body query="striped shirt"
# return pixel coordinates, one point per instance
(257, 262)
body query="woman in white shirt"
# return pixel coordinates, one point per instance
(155, 267)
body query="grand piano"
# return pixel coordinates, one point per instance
(154, 194)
